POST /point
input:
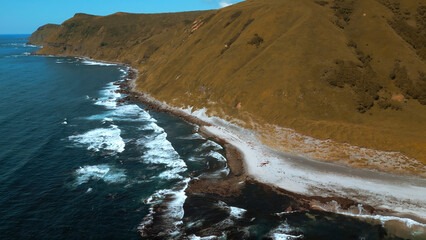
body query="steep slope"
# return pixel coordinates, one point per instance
(349, 71)
(38, 37)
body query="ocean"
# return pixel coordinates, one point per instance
(76, 162)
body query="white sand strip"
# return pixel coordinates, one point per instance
(402, 194)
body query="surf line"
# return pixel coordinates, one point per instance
(239, 148)
(216, 129)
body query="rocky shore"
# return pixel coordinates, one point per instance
(240, 176)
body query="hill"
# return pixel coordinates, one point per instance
(350, 74)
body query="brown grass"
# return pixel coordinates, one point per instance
(326, 70)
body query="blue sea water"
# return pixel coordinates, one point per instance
(77, 164)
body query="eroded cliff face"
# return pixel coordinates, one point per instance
(349, 71)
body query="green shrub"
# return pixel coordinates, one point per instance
(256, 40)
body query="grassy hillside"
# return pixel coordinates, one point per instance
(42, 32)
(350, 71)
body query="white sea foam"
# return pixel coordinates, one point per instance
(128, 112)
(192, 136)
(210, 144)
(160, 151)
(95, 63)
(110, 96)
(174, 211)
(284, 236)
(237, 212)
(125, 112)
(124, 72)
(234, 212)
(383, 219)
(101, 139)
(17, 45)
(282, 232)
(219, 174)
(107, 119)
(195, 237)
(216, 155)
(99, 172)
(19, 55)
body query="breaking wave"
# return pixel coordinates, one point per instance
(96, 63)
(172, 201)
(108, 139)
(110, 96)
(284, 232)
(158, 150)
(99, 172)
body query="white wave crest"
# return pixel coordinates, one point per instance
(210, 144)
(128, 113)
(383, 219)
(192, 136)
(195, 237)
(110, 96)
(282, 232)
(234, 212)
(30, 45)
(99, 172)
(96, 63)
(101, 138)
(216, 155)
(237, 212)
(174, 210)
(160, 151)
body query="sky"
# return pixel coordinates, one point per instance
(25, 16)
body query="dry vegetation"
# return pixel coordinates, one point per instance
(348, 70)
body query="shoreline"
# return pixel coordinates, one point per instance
(316, 201)
(324, 203)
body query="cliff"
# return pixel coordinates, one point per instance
(347, 73)
(38, 37)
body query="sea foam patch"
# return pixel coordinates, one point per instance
(171, 217)
(193, 136)
(234, 212)
(109, 96)
(216, 155)
(101, 139)
(284, 232)
(128, 112)
(103, 172)
(213, 145)
(237, 212)
(95, 63)
(160, 151)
